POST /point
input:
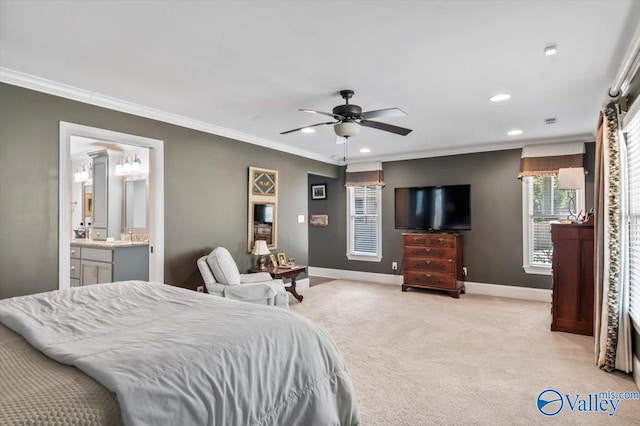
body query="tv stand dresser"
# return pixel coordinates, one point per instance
(433, 261)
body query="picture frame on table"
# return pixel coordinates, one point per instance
(319, 192)
(282, 260)
(274, 261)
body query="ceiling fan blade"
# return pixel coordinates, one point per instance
(340, 140)
(386, 127)
(312, 111)
(311, 125)
(389, 112)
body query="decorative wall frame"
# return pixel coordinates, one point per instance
(262, 207)
(319, 192)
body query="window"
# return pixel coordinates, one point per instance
(364, 223)
(633, 191)
(543, 203)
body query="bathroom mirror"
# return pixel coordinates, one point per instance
(135, 205)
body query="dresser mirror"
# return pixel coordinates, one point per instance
(135, 205)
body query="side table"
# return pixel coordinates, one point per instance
(282, 273)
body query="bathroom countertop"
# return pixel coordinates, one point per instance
(105, 244)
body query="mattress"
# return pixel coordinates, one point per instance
(37, 390)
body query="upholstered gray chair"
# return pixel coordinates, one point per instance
(222, 278)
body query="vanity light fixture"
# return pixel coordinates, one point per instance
(514, 132)
(500, 97)
(82, 173)
(128, 165)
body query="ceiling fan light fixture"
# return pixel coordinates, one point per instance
(308, 130)
(347, 129)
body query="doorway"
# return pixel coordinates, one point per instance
(69, 131)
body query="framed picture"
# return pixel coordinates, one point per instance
(263, 182)
(274, 261)
(282, 260)
(319, 220)
(319, 192)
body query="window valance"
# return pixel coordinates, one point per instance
(545, 160)
(364, 174)
(370, 178)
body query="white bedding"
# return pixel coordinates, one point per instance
(177, 357)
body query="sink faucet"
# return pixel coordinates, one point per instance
(130, 232)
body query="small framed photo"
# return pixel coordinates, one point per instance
(319, 192)
(319, 220)
(274, 261)
(282, 260)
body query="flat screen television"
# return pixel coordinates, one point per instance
(434, 208)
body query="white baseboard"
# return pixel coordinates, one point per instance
(525, 293)
(355, 275)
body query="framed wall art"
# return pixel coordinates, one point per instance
(319, 192)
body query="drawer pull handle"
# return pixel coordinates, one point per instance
(441, 239)
(428, 250)
(73, 268)
(428, 275)
(415, 240)
(73, 252)
(427, 262)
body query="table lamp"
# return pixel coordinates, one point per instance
(571, 178)
(260, 249)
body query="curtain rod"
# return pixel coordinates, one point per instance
(628, 67)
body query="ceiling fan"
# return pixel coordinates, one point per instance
(350, 117)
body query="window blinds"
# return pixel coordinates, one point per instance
(364, 220)
(633, 176)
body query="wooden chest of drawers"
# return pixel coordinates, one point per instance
(433, 261)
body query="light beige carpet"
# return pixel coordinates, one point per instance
(421, 358)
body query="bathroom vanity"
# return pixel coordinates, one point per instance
(96, 262)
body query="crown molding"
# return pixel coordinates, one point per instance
(472, 149)
(28, 81)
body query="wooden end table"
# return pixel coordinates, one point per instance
(282, 273)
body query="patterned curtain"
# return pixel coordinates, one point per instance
(612, 327)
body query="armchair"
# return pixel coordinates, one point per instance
(222, 278)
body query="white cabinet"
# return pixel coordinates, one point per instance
(96, 272)
(97, 265)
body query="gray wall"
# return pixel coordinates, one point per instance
(206, 187)
(492, 249)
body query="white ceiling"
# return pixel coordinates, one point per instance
(247, 67)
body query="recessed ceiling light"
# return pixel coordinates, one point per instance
(551, 50)
(365, 150)
(514, 132)
(308, 130)
(500, 97)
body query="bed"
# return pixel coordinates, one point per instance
(145, 353)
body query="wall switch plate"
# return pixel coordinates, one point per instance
(394, 265)
(464, 271)
(200, 289)
(300, 218)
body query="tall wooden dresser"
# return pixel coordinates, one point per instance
(573, 276)
(433, 261)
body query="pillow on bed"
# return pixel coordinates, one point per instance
(223, 267)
